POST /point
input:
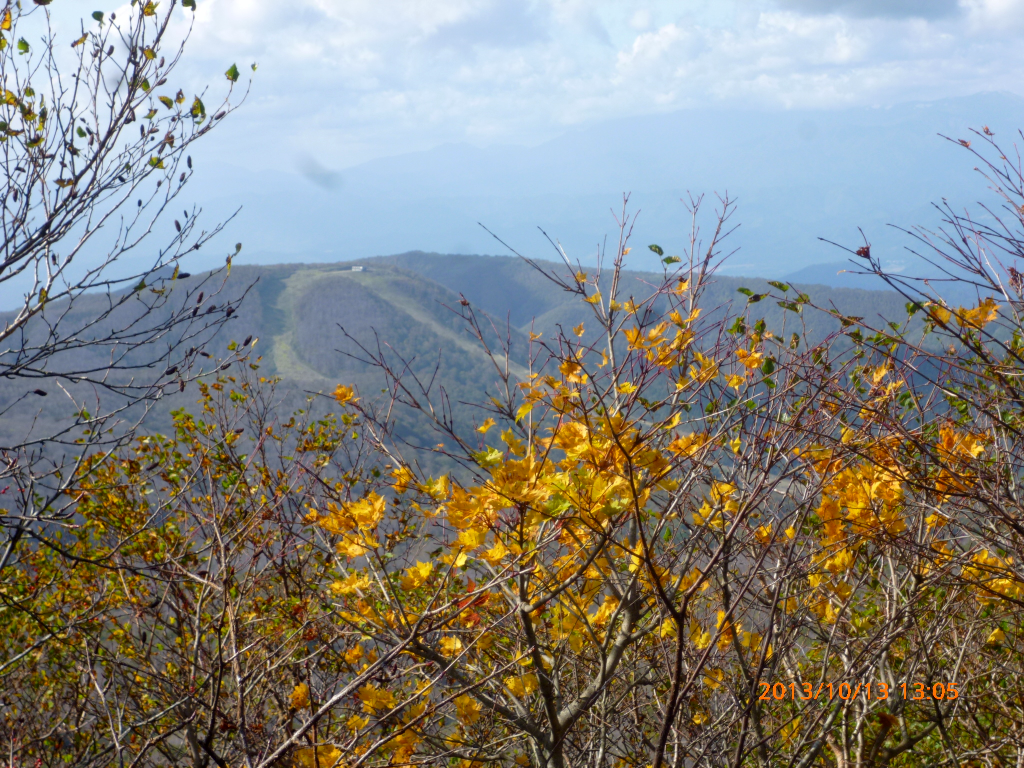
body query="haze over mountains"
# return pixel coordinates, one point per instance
(797, 176)
(310, 320)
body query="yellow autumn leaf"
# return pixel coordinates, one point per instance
(578, 330)
(713, 677)
(764, 534)
(704, 370)
(403, 479)
(436, 489)
(482, 429)
(416, 576)
(593, 298)
(996, 638)
(467, 709)
(939, 312)
(375, 699)
(523, 411)
(687, 445)
(726, 631)
(299, 697)
(749, 358)
(451, 646)
(350, 585)
(495, 554)
(515, 445)
(326, 756)
(457, 561)
(626, 388)
(522, 686)
(471, 538)
(345, 394)
(982, 315)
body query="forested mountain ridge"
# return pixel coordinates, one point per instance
(307, 319)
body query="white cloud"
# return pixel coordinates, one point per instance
(995, 17)
(344, 81)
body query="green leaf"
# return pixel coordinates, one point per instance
(149, 53)
(81, 132)
(254, 66)
(232, 73)
(913, 308)
(98, 15)
(745, 291)
(198, 109)
(489, 457)
(150, 115)
(657, 249)
(768, 367)
(738, 327)
(188, 4)
(671, 260)
(156, 162)
(23, 46)
(776, 284)
(167, 101)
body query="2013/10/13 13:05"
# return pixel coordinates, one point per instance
(849, 691)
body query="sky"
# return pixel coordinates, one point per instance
(345, 81)
(344, 85)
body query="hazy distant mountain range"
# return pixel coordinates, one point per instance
(798, 175)
(308, 319)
